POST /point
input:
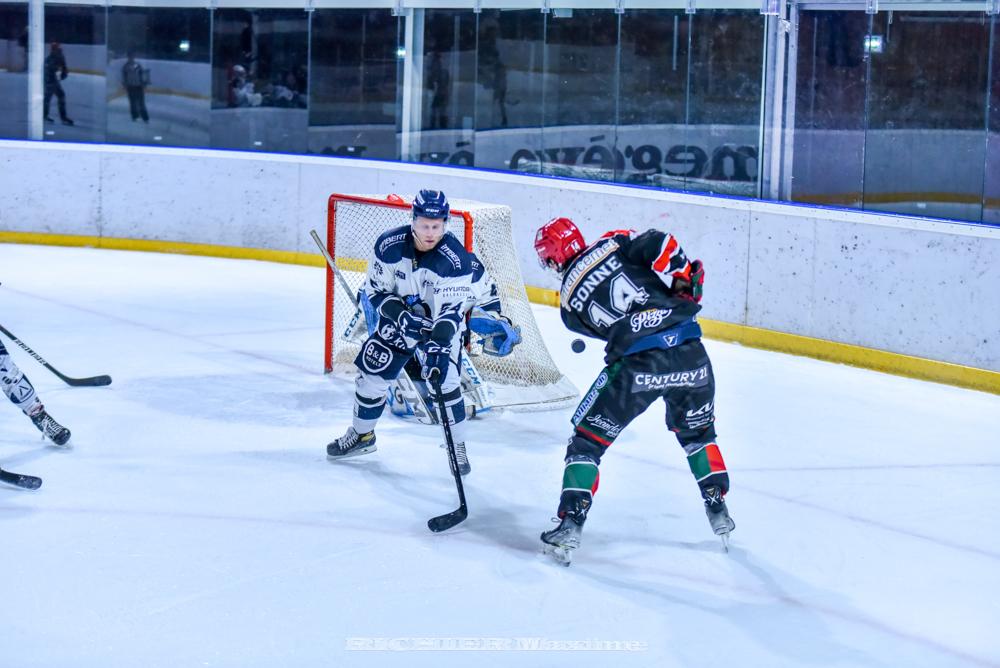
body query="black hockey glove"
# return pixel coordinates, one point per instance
(691, 290)
(436, 361)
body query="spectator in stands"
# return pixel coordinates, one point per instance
(241, 91)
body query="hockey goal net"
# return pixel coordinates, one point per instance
(527, 379)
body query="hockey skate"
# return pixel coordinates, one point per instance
(351, 444)
(718, 514)
(50, 428)
(564, 539)
(464, 467)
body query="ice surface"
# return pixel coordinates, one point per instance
(196, 521)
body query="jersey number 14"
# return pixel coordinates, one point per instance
(624, 293)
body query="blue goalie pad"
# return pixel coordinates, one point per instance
(499, 336)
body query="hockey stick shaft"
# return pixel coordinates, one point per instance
(343, 283)
(91, 381)
(447, 521)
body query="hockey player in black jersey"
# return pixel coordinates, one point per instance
(641, 295)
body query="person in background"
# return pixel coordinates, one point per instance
(134, 80)
(55, 71)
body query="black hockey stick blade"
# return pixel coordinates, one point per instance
(457, 516)
(92, 381)
(20, 479)
(448, 520)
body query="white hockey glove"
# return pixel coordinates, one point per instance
(497, 333)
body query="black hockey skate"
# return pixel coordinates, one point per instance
(50, 428)
(561, 541)
(464, 467)
(351, 444)
(718, 514)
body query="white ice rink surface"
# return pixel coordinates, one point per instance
(196, 521)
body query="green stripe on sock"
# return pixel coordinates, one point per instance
(699, 464)
(579, 475)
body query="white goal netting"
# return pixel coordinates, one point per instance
(527, 379)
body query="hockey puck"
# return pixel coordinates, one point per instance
(578, 345)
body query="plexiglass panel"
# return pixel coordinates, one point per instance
(448, 109)
(581, 56)
(13, 71)
(74, 73)
(260, 79)
(159, 76)
(653, 98)
(897, 111)
(725, 101)
(355, 81)
(991, 187)
(830, 89)
(925, 144)
(509, 76)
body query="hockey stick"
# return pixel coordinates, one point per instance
(20, 479)
(343, 284)
(92, 381)
(448, 520)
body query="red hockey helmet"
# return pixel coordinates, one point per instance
(558, 242)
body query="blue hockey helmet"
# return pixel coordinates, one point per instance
(431, 204)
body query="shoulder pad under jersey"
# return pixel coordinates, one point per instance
(477, 268)
(392, 245)
(450, 258)
(616, 233)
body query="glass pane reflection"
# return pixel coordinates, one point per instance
(653, 98)
(509, 75)
(991, 194)
(13, 71)
(356, 74)
(725, 101)
(580, 89)
(925, 143)
(159, 76)
(448, 108)
(259, 79)
(829, 139)
(74, 81)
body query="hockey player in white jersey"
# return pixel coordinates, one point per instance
(421, 282)
(22, 393)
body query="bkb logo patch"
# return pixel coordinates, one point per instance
(601, 381)
(375, 357)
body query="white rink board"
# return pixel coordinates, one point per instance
(908, 285)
